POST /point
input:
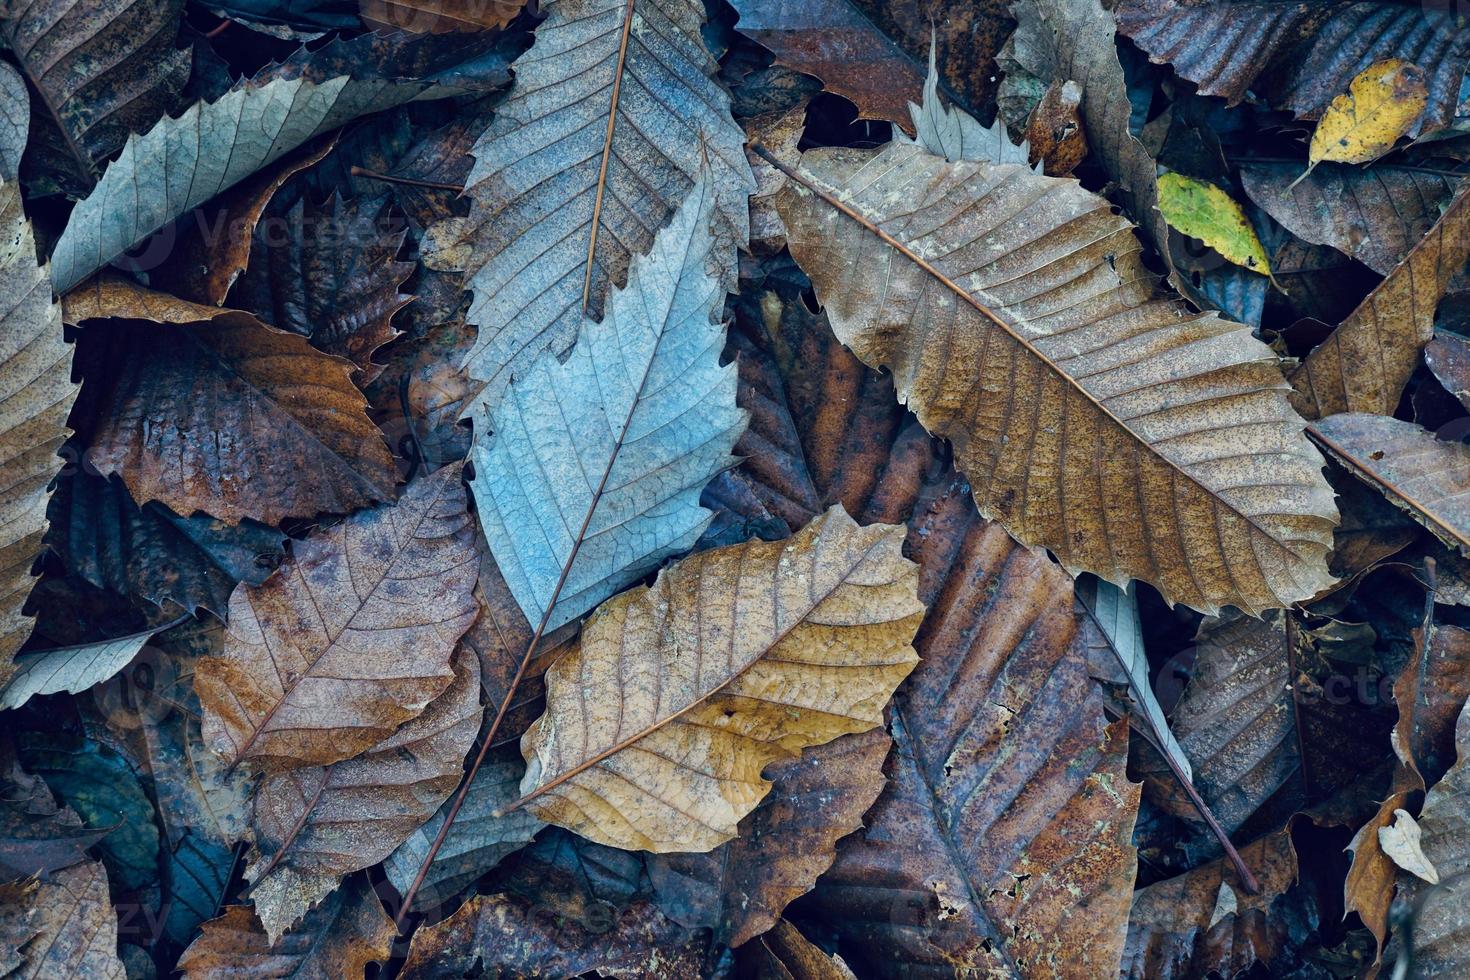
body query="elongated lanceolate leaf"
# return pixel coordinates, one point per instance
(71, 669)
(1110, 425)
(35, 397)
(181, 163)
(598, 463)
(613, 111)
(657, 728)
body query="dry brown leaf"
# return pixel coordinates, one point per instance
(350, 639)
(315, 824)
(300, 442)
(1008, 806)
(440, 16)
(338, 939)
(1364, 365)
(1427, 477)
(1129, 437)
(62, 927)
(741, 887)
(36, 394)
(785, 954)
(505, 935)
(1442, 912)
(733, 659)
(1204, 923)
(1448, 358)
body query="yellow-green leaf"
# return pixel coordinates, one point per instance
(1201, 210)
(1381, 104)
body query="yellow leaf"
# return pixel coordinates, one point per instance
(1202, 210)
(1380, 105)
(658, 726)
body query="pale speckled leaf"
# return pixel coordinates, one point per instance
(72, 669)
(599, 462)
(613, 114)
(36, 394)
(954, 134)
(183, 162)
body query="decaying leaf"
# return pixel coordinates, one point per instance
(784, 952)
(353, 637)
(1364, 365)
(611, 119)
(36, 394)
(195, 562)
(1007, 807)
(740, 888)
(1300, 56)
(1205, 922)
(500, 932)
(1434, 947)
(301, 442)
(64, 926)
(338, 938)
(1429, 478)
(838, 43)
(103, 71)
(439, 17)
(329, 273)
(954, 134)
(999, 283)
(733, 659)
(313, 825)
(607, 453)
(1202, 210)
(1376, 215)
(1383, 102)
(183, 162)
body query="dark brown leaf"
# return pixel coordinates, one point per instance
(174, 377)
(740, 888)
(103, 71)
(329, 273)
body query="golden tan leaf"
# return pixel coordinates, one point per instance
(35, 397)
(1382, 103)
(350, 639)
(1365, 363)
(1425, 476)
(184, 374)
(338, 938)
(658, 726)
(1132, 438)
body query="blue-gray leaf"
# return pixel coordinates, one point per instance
(595, 466)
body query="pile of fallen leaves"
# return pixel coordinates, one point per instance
(769, 488)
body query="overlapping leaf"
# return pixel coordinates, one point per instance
(36, 394)
(177, 372)
(592, 475)
(103, 71)
(183, 162)
(352, 639)
(613, 115)
(1131, 438)
(733, 659)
